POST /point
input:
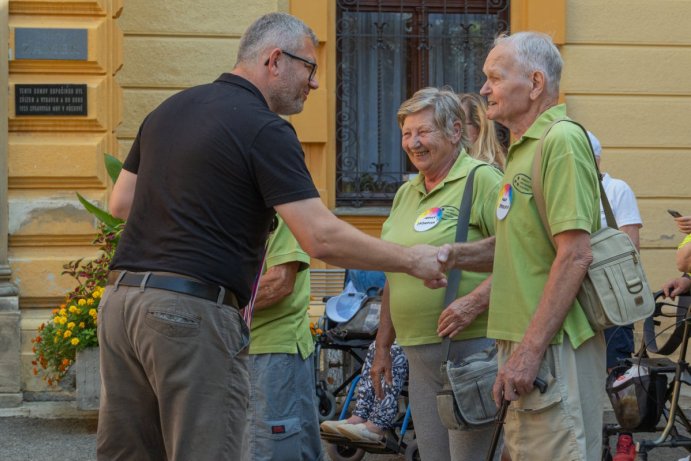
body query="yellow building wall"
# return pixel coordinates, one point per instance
(170, 45)
(626, 77)
(51, 157)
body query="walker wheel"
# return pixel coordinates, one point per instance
(411, 452)
(344, 452)
(327, 405)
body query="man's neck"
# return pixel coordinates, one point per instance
(255, 80)
(521, 126)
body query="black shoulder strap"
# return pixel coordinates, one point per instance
(454, 276)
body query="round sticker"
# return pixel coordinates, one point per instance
(428, 219)
(505, 198)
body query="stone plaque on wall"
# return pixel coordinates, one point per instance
(57, 44)
(50, 99)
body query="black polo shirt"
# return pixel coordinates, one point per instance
(211, 163)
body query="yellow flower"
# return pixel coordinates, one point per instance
(90, 301)
(73, 309)
(63, 320)
(98, 292)
(93, 312)
(74, 341)
(81, 302)
(67, 334)
(82, 325)
(71, 325)
(62, 312)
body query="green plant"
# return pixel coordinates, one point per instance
(73, 325)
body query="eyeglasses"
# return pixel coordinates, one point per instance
(311, 64)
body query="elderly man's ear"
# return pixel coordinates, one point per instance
(537, 79)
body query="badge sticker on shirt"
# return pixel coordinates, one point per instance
(505, 199)
(428, 219)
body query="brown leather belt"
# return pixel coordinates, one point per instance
(173, 283)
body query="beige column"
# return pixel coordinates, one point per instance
(10, 369)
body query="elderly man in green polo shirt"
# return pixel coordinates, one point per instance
(540, 328)
(283, 423)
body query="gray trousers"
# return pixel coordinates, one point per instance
(174, 377)
(436, 442)
(283, 422)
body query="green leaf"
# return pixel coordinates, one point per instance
(106, 218)
(113, 166)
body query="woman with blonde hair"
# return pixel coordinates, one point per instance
(481, 131)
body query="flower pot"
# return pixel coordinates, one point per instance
(88, 379)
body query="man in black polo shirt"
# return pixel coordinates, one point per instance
(207, 170)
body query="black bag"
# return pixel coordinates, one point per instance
(363, 325)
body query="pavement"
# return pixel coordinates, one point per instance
(47, 431)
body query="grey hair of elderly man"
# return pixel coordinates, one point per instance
(536, 51)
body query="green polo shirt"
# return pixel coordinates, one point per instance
(524, 254)
(685, 242)
(421, 217)
(284, 327)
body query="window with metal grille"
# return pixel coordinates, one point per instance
(387, 50)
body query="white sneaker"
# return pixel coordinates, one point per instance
(331, 427)
(359, 433)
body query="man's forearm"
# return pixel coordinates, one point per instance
(385, 333)
(684, 258)
(632, 230)
(323, 236)
(275, 284)
(475, 256)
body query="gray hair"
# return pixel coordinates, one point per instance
(447, 110)
(536, 51)
(279, 30)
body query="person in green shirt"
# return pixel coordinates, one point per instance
(684, 255)
(540, 328)
(283, 423)
(681, 285)
(425, 210)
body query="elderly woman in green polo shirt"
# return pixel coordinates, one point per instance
(425, 210)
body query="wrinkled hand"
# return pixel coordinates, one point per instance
(444, 256)
(676, 286)
(381, 367)
(458, 315)
(428, 267)
(517, 376)
(684, 224)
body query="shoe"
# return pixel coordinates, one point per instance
(331, 427)
(626, 449)
(359, 433)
